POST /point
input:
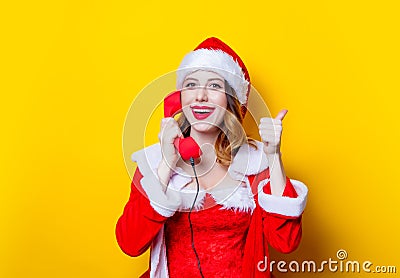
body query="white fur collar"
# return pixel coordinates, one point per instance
(239, 198)
(247, 161)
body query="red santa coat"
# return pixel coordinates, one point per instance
(275, 220)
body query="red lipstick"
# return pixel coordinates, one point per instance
(202, 112)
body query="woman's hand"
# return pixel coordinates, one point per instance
(169, 132)
(270, 130)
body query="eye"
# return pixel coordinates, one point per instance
(191, 84)
(215, 86)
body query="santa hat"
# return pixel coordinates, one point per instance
(213, 54)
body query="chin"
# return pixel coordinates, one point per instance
(205, 128)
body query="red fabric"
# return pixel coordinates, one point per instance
(283, 233)
(217, 44)
(219, 238)
(140, 223)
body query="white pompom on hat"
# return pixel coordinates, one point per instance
(214, 55)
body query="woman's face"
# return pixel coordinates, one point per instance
(203, 100)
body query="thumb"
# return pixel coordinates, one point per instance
(281, 114)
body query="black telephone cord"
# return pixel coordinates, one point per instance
(190, 222)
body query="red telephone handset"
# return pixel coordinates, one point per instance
(187, 147)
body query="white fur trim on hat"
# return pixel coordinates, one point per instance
(219, 62)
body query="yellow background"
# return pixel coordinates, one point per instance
(71, 69)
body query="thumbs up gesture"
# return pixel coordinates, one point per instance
(270, 130)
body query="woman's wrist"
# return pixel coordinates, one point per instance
(277, 173)
(273, 156)
(164, 172)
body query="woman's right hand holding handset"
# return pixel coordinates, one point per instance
(168, 133)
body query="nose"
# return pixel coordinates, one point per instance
(202, 94)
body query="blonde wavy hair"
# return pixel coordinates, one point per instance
(232, 134)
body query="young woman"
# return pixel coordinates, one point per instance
(219, 222)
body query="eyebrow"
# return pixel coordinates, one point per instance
(191, 78)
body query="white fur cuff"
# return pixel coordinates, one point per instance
(166, 203)
(287, 206)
